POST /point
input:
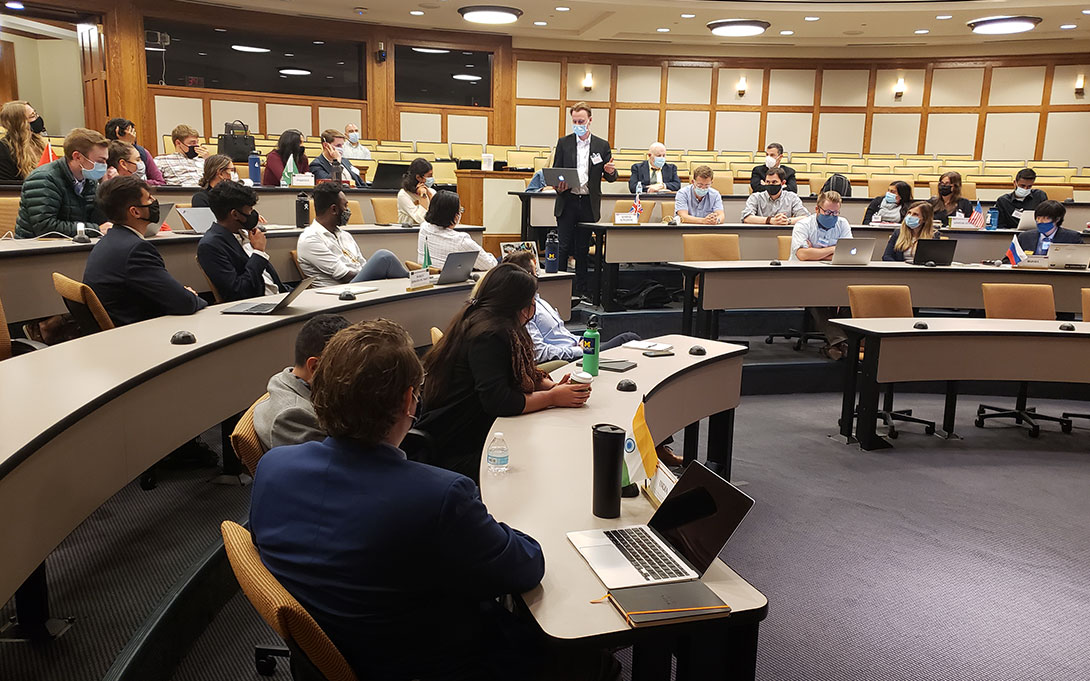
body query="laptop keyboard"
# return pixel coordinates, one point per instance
(645, 554)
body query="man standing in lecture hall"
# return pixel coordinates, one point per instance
(186, 165)
(655, 174)
(125, 271)
(699, 203)
(353, 148)
(776, 205)
(333, 150)
(773, 159)
(1023, 199)
(580, 201)
(232, 252)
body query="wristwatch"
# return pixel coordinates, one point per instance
(768, 220)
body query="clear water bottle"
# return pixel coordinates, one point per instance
(639, 187)
(497, 455)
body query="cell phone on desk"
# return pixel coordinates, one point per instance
(618, 365)
(658, 353)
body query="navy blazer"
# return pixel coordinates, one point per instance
(391, 557)
(566, 156)
(234, 274)
(641, 172)
(322, 169)
(1028, 238)
(132, 283)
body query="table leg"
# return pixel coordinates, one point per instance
(32, 621)
(651, 660)
(687, 303)
(525, 218)
(610, 303)
(847, 407)
(692, 442)
(866, 430)
(721, 442)
(599, 264)
(950, 411)
(723, 652)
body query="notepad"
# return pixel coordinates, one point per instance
(666, 603)
(647, 345)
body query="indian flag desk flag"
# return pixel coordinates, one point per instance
(640, 459)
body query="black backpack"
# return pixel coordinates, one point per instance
(650, 294)
(838, 183)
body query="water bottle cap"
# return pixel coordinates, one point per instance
(497, 434)
(593, 324)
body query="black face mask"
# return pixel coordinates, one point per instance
(191, 152)
(343, 218)
(249, 221)
(773, 189)
(38, 125)
(946, 189)
(153, 211)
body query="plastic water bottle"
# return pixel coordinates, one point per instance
(591, 341)
(993, 218)
(255, 167)
(639, 187)
(497, 455)
(552, 252)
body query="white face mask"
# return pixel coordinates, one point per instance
(141, 170)
(1021, 192)
(770, 162)
(234, 176)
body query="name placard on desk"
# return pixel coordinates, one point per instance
(626, 218)
(419, 279)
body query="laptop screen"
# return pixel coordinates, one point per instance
(700, 514)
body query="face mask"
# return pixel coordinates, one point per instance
(153, 211)
(946, 189)
(342, 219)
(912, 222)
(1021, 192)
(354, 137)
(891, 198)
(191, 151)
(96, 173)
(700, 191)
(141, 170)
(38, 125)
(659, 161)
(826, 221)
(250, 220)
(234, 176)
(429, 181)
(770, 162)
(773, 189)
(1045, 227)
(579, 129)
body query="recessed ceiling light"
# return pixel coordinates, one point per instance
(1068, 27)
(663, 30)
(469, 66)
(541, 23)
(329, 77)
(922, 31)
(465, 76)
(220, 30)
(319, 42)
(294, 72)
(249, 48)
(688, 16)
(154, 49)
(340, 63)
(944, 17)
(416, 12)
(13, 4)
(282, 76)
(289, 54)
(1003, 25)
(490, 14)
(562, 9)
(811, 18)
(738, 28)
(1086, 11)
(430, 50)
(787, 33)
(202, 54)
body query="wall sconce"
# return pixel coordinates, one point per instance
(742, 86)
(588, 82)
(1080, 82)
(899, 89)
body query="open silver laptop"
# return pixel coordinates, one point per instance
(456, 268)
(678, 544)
(199, 219)
(1068, 256)
(852, 252)
(153, 227)
(270, 308)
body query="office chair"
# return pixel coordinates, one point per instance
(294, 259)
(211, 287)
(804, 335)
(1019, 301)
(82, 304)
(244, 438)
(697, 247)
(1085, 318)
(385, 208)
(312, 656)
(886, 301)
(9, 347)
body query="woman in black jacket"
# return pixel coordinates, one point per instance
(483, 368)
(918, 224)
(950, 201)
(891, 206)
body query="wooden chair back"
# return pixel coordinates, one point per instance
(1019, 301)
(83, 304)
(880, 301)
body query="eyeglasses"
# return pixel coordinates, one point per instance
(834, 213)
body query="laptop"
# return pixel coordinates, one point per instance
(199, 219)
(678, 544)
(938, 251)
(153, 227)
(852, 252)
(389, 175)
(270, 308)
(1068, 256)
(554, 176)
(456, 269)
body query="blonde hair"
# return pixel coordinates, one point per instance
(83, 140)
(829, 196)
(214, 165)
(182, 131)
(907, 238)
(580, 106)
(25, 145)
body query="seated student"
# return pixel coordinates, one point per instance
(217, 168)
(699, 202)
(62, 192)
(332, 148)
(124, 130)
(950, 203)
(919, 223)
(1050, 218)
(414, 197)
(397, 561)
(185, 166)
(1023, 198)
(814, 238)
(287, 416)
(123, 160)
(331, 254)
(232, 252)
(353, 148)
(892, 207)
(288, 146)
(483, 368)
(21, 146)
(551, 339)
(776, 205)
(438, 237)
(773, 159)
(655, 174)
(125, 271)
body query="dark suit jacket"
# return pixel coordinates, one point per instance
(234, 274)
(565, 156)
(1028, 238)
(759, 173)
(129, 277)
(391, 557)
(641, 172)
(323, 170)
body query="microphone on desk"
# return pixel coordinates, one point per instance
(81, 234)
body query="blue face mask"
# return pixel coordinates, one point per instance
(912, 222)
(659, 161)
(891, 197)
(826, 221)
(429, 181)
(354, 137)
(1042, 227)
(579, 130)
(700, 191)
(96, 173)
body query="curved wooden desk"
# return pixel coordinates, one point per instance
(84, 418)
(547, 491)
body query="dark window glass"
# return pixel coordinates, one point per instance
(427, 75)
(203, 56)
